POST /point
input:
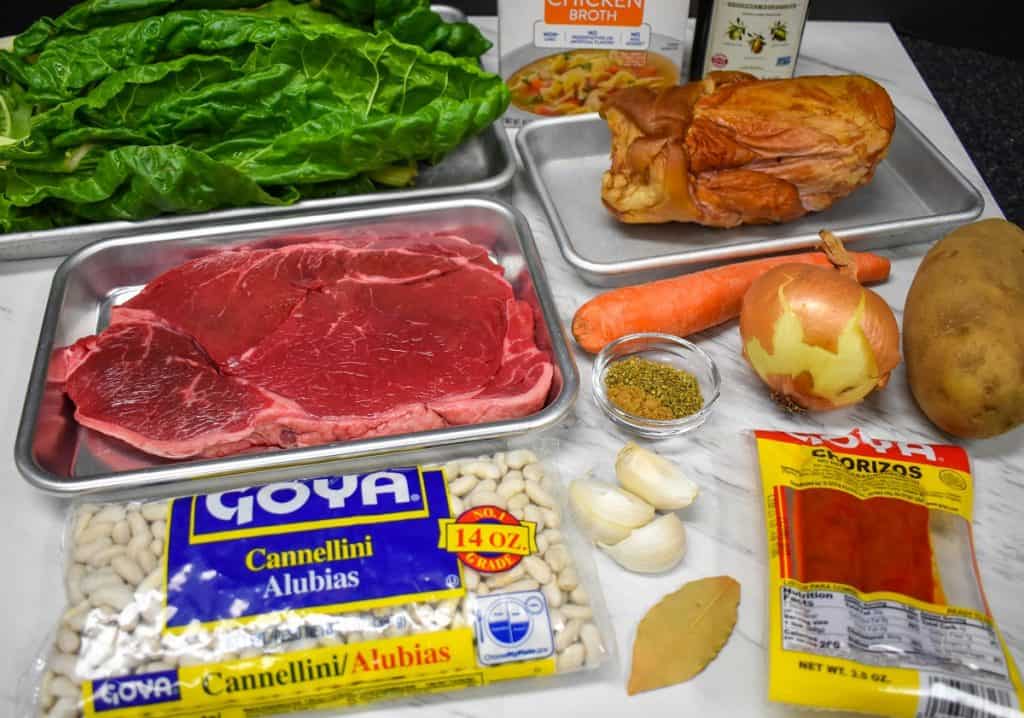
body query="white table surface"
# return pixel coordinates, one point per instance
(725, 526)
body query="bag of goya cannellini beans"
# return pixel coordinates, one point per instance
(318, 593)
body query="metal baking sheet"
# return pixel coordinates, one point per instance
(913, 188)
(56, 454)
(480, 165)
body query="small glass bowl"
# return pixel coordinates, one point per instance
(667, 349)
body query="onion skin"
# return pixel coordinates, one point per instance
(840, 340)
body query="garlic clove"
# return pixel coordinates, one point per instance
(654, 478)
(653, 548)
(606, 513)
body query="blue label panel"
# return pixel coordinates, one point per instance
(132, 691)
(323, 542)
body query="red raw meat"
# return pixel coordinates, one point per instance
(321, 341)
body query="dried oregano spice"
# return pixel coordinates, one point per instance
(651, 389)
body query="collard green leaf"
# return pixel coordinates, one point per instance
(683, 633)
(411, 21)
(277, 103)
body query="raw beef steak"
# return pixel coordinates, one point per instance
(315, 342)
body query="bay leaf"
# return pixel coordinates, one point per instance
(682, 633)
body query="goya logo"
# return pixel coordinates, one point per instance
(391, 495)
(488, 538)
(131, 691)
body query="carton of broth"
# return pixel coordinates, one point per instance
(564, 57)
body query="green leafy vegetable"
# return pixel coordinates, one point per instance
(410, 21)
(197, 109)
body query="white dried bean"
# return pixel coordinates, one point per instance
(471, 578)
(567, 579)
(74, 617)
(571, 610)
(46, 697)
(539, 495)
(121, 533)
(457, 505)
(73, 582)
(147, 561)
(591, 639)
(99, 579)
(511, 487)
(485, 498)
(568, 635)
(503, 579)
(158, 529)
(533, 472)
(65, 664)
(104, 557)
(526, 584)
(111, 513)
(482, 470)
(552, 519)
(519, 501)
(114, 596)
(82, 519)
(557, 556)
(451, 470)
(518, 513)
(553, 594)
(572, 658)
(165, 666)
(140, 542)
(542, 545)
(462, 485)
(579, 595)
(537, 569)
(94, 532)
(138, 525)
(67, 641)
(487, 485)
(65, 707)
(553, 536)
(63, 687)
(532, 513)
(84, 552)
(519, 458)
(154, 511)
(157, 547)
(513, 475)
(556, 617)
(152, 581)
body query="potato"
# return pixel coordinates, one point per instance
(963, 330)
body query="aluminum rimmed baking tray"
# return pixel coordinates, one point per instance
(54, 453)
(914, 187)
(480, 165)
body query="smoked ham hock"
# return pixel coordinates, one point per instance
(732, 149)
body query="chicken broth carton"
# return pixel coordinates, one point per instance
(564, 57)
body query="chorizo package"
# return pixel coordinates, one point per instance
(875, 602)
(317, 593)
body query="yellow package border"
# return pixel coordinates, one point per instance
(327, 677)
(819, 681)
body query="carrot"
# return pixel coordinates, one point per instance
(693, 302)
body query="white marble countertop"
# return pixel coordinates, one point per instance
(725, 525)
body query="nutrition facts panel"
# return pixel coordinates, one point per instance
(883, 632)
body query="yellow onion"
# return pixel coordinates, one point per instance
(817, 337)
